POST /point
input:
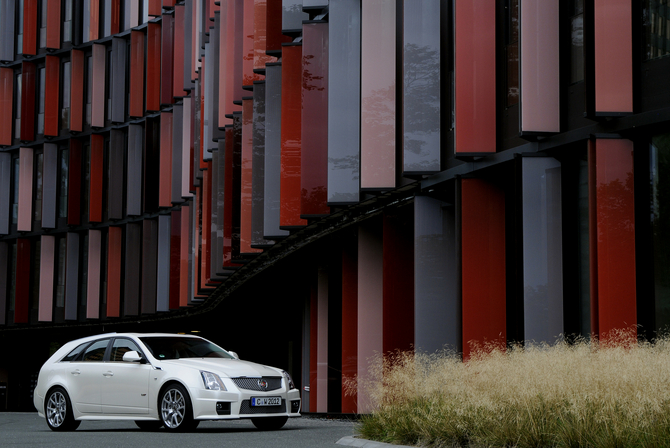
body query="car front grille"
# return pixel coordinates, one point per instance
(273, 383)
(246, 408)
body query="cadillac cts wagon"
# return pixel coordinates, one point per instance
(160, 380)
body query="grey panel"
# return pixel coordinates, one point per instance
(118, 68)
(215, 230)
(126, 17)
(344, 102)
(49, 185)
(131, 284)
(86, 31)
(163, 268)
(437, 307)
(188, 47)
(542, 249)
(212, 61)
(134, 186)
(421, 100)
(292, 15)
(7, 12)
(71, 276)
(107, 24)
(3, 281)
(258, 168)
(117, 150)
(177, 136)
(272, 170)
(149, 265)
(191, 245)
(215, 39)
(314, 3)
(218, 200)
(5, 189)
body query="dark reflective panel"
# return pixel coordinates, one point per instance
(314, 154)
(656, 22)
(344, 68)
(421, 101)
(660, 224)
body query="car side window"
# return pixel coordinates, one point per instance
(96, 351)
(74, 353)
(120, 347)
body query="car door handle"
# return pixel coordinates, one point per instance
(76, 372)
(108, 374)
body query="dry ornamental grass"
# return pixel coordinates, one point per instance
(585, 394)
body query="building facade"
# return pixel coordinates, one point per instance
(325, 181)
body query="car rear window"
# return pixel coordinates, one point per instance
(73, 354)
(162, 347)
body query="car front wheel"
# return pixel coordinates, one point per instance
(58, 411)
(269, 423)
(176, 411)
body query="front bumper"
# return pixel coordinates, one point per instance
(222, 405)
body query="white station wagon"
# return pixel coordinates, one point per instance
(158, 380)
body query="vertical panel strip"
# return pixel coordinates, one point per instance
(163, 267)
(93, 274)
(6, 105)
(350, 322)
(153, 89)
(30, 27)
(71, 276)
(77, 91)
(247, 176)
(25, 215)
(475, 77)
(613, 28)
(178, 63)
(116, 173)
(167, 58)
(136, 107)
(132, 263)
(22, 282)
(344, 75)
(378, 87)
(177, 141)
(47, 262)
(74, 183)
(49, 185)
(98, 100)
(28, 89)
(134, 188)
(53, 24)
(4, 277)
(5, 190)
(51, 97)
(258, 168)
(540, 95)
(185, 150)
(96, 178)
(322, 367)
(184, 296)
(175, 258)
(118, 74)
(114, 246)
(483, 256)
(7, 35)
(314, 154)
(165, 160)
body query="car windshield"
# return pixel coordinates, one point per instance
(173, 347)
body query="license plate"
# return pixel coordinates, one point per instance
(266, 401)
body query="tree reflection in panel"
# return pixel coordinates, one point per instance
(421, 78)
(660, 224)
(542, 249)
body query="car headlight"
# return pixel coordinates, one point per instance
(212, 381)
(288, 379)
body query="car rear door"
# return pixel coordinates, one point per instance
(85, 378)
(125, 389)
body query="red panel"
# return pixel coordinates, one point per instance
(184, 255)
(178, 67)
(291, 130)
(260, 35)
(398, 241)
(29, 26)
(314, 154)
(615, 208)
(114, 245)
(136, 74)
(246, 192)
(248, 75)
(98, 100)
(483, 264)
(613, 28)
(22, 282)
(168, 3)
(165, 185)
(53, 24)
(475, 76)
(350, 323)
(116, 17)
(96, 178)
(593, 238)
(28, 86)
(94, 29)
(167, 58)
(153, 66)
(175, 258)
(274, 36)
(51, 94)
(74, 183)
(313, 341)
(77, 91)
(6, 105)
(155, 8)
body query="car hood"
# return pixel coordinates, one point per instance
(225, 367)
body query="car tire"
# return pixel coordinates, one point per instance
(269, 423)
(58, 411)
(148, 425)
(175, 409)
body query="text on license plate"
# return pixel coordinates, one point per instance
(266, 401)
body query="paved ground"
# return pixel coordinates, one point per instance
(23, 429)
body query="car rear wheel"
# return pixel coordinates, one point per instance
(58, 411)
(148, 425)
(269, 423)
(176, 411)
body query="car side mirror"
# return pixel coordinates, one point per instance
(234, 354)
(132, 356)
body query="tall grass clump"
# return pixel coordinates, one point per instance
(583, 394)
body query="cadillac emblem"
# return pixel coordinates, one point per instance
(263, 384)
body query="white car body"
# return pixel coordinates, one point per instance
(101, 387)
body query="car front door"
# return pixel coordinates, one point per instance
(125, 389)
(86, 375)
